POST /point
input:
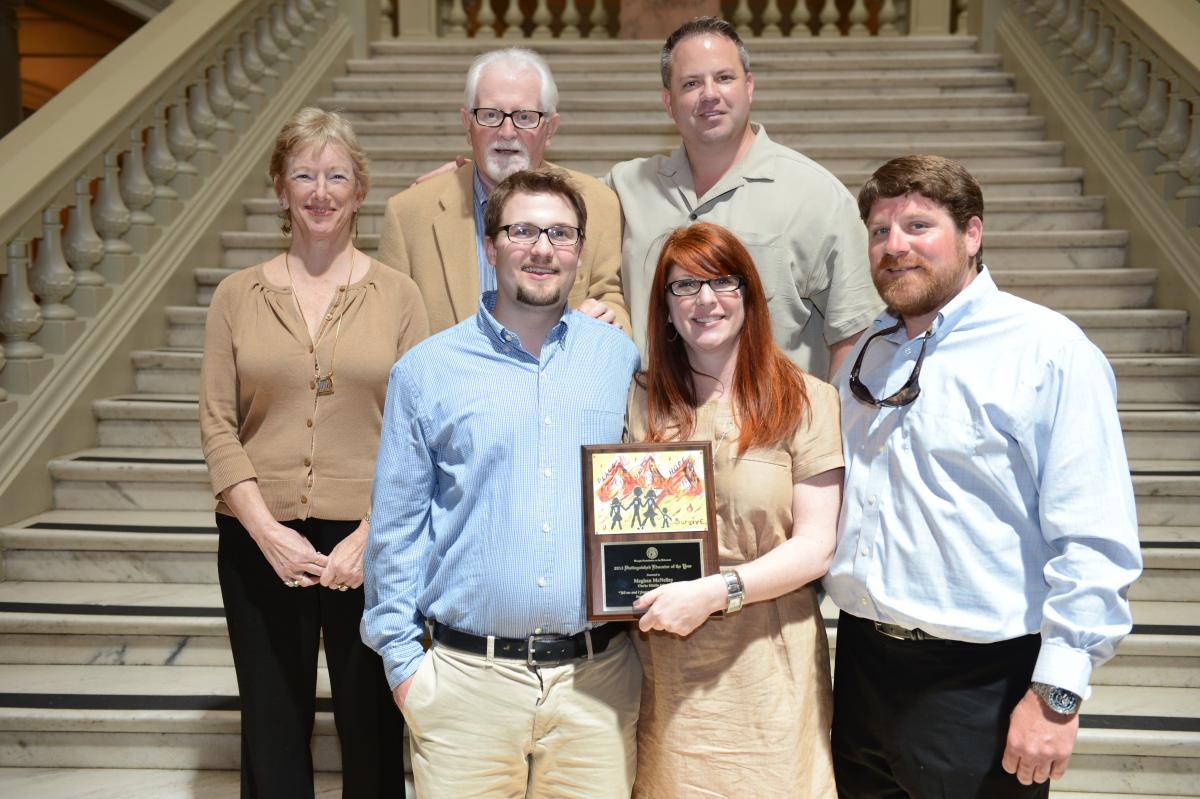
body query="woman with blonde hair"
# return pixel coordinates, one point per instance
(296, 357)
(737, 704)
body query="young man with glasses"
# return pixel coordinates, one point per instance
(988, 535)
(433, 232)
(476, 527)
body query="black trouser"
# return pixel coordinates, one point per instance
(926, 719)
(274, 632)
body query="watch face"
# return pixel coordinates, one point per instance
(1060, 700)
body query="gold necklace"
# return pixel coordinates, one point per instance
(324, 385)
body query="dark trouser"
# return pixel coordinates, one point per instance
(926, 719)
(274, 632)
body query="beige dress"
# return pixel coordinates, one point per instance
(742, 706)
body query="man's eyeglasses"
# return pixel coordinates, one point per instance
(493, 118)
(907, 392)
(557, 235)
(690, 286)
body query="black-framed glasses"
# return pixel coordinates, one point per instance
(690, 286)
(522, 119)
(557, 235)
(906, 393)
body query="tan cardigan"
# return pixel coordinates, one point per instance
(260, 416)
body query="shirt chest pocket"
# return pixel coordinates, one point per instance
(768, 255)
(944, 437)
(601, 426)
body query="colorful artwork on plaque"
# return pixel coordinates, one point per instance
(649, 492)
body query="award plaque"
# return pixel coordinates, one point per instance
(649, 518)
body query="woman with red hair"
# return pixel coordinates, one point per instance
(738, 704)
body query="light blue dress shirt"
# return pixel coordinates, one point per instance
(477, 506)
(479, 196)
(999, 503)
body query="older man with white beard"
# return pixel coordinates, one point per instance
(433, 232)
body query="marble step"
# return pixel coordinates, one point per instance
(562, 53)
(597, 155)
(166, 371)
(1080, 289)
(185, 326)
(821, 79)
(1166, 433)
(153, 783)
(131, 478)
(999, 183)
(1003, 250)
(921, 108)
(431, 72)
(1003, 214)
(1157, 379)
(147, 420)
(655, 133)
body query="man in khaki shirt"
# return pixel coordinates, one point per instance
(433, 232)
(797, 220)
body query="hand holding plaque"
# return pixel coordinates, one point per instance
(649, 519)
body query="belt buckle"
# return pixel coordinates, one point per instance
(883, 628)
(529, 642)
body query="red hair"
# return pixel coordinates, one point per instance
(769, 399)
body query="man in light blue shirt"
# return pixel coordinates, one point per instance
(476, 527)
(988, 536)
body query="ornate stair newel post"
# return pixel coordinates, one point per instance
(82, 246)
(20, 316)
(52, 280)
(162, 168)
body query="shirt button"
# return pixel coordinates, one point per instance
(546, 527)
(692, 217)
(303, 500)
(537, 630)
(309, 422)
(312, 383)
(308, 461)
(541, 582)
(546, 420)
(862, 601)
(328, 316)
(870, 500)
(866, 553)
(310, 349)
(546, 472)
(341, 288)
(542, 374)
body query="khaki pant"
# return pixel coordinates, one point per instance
(502, 729)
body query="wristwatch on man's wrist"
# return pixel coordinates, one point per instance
(1060, 700)
(737, 591)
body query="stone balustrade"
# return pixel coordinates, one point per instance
(1144, 93)
(91, 187)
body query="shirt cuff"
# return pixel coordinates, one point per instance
(403, 664)
(1064, 667)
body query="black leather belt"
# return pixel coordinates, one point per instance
(903, 633)
(535, 648)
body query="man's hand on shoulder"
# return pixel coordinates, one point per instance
(449, 166)
(1040, 741)
(598, 310)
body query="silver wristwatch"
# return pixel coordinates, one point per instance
(737, 591)
(1060, 700)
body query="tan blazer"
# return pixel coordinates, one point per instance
(429, 234)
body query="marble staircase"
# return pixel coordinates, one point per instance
(113, 652)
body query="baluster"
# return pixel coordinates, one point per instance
(1117, 75)
(110, 214)
(52, 280)
(858, 19)
(256, 69)
(541, 21)
(271, 50)
(221, 102)
(570, 21)
(742, 18)
(1133, 97)
(310, 11)
(301, 29)
(236, 80)
(1054, 17)
(599, 29)
(1085, 42)
(281, 33)
(3, 393)
(20, 316)
(1189, 160)
(771, 18)
(960, 17)
(829, 18)
(82, 246)
(203, 122)
(138, 192)
(513, 19)
(1071, 22)
(487, 21)
(1101, 57)
(183, 145)
(456, 19)
(887, 19)
(1173, 139)
(1153, 115)
(161, 167)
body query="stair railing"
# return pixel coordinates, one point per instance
(1122, 77)
(112, 185)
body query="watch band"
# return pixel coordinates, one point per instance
(737, 591)
(1060, 700)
